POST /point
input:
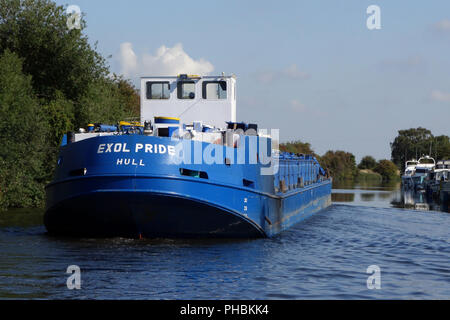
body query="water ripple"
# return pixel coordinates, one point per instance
(324, 257)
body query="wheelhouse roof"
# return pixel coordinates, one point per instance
(192, 77)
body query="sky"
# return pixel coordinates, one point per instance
(312, 69)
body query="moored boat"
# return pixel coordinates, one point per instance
(437, 177)
(445, 196)
(410, 167)
(424, 166)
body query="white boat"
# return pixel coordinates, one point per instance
(440, 174)
(410, 168)
(425, 165)
(442, 170)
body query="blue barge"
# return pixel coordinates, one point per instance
(180, 177)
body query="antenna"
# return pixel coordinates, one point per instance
(435, 151)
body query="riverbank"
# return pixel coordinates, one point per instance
(366, 175)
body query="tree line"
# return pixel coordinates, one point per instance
(342, 164)
(52, 80)
(416, 142)
(409, 144)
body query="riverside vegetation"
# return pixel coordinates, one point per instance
(342, 165)
(410, 143)
(52, 80)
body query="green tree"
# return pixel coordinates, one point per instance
(60, 116)
(414, 143)
(52, 81)
(64, 67)
(387, 169)
(341, 164)
(22, 137)
(368, 162)
(441, 148)
(129, 95)
(107, 101)
(58, 59)
(296, 147)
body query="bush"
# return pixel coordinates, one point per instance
(368, 162)
(22, 137)
(369, 175)
(341, 164)
(387, 169)
(296, 147)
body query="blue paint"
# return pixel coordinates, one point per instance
(107, 128)
(131, 185)
(172, 130)
(64, 140)
(166, 120)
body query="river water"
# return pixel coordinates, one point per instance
(324, 257)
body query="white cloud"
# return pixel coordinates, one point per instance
(127, 59)
(443, 25)
(437, 95)
(291, 72)
(165, 62)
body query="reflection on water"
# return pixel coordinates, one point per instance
(417, 201)
(384, 196)
(342, 197)
(21, 217)
(368, 196)
(367, 185)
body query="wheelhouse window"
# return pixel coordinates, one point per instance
(214, 90)
(186, 90)
(158, 90)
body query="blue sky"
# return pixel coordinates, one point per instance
(310, 68)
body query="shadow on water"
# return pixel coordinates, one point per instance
(384, 195)
(31, 219)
